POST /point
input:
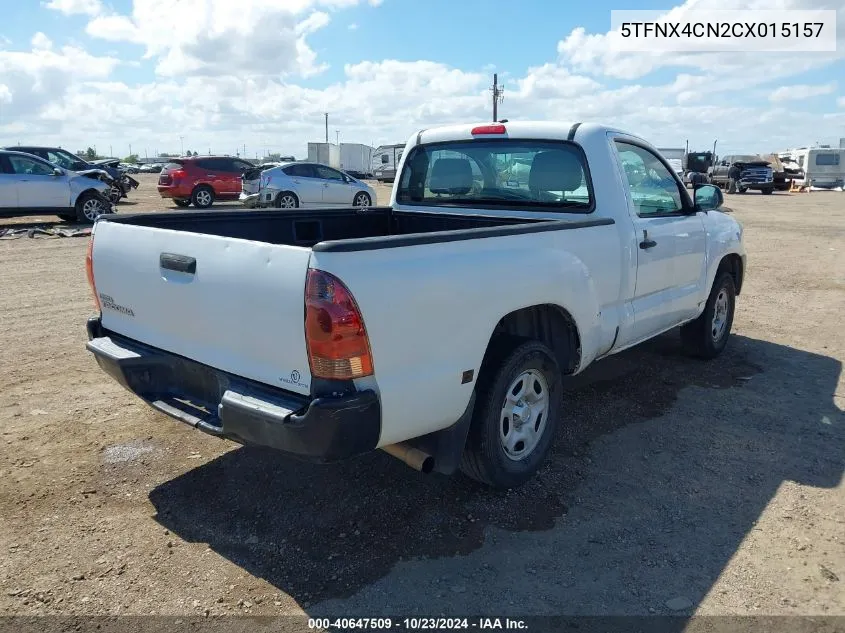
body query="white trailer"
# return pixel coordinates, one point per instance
(675, 157)
(325, 154)
(385, 161)
(823, 165)
(356, 159)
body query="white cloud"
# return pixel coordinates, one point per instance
(41, 42)
(841, 102)
(71, 7)
(222, 37)
(796, 92)
(353, 26)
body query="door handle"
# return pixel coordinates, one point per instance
(179, 263)
(647, 243)
(211, 175)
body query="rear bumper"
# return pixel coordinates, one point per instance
(249, 200)
(322, 429)
(171, 191)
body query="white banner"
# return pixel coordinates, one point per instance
(701, 30)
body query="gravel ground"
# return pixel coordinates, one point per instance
(677, 486)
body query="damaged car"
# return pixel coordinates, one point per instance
(114, 178)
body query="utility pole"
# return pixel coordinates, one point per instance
(714, 149)
(111, 153)
(244, 150)
(130, 149)
(181, 146)
(337, 137)
(498, 95)
(327, 127)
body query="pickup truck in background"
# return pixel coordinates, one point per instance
(439, 329)
(753, 173)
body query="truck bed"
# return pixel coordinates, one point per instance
(344, 230)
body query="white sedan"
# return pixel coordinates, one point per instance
(293, 185)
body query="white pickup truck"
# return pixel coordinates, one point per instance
(440, 328)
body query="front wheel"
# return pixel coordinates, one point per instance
(708, 335)
(90, 206)
(516, 415)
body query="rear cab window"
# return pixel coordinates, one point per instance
(524, 174)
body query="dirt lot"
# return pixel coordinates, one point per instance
(681, 487)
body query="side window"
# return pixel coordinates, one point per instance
(241, 166)
(5, 167)
(226, 165)
(385, 158)
(653, 189)
(327, 173)
(21, 165)
(205, 163)
(801, 161)
(59, 159)
(307, 171)
(827, 159)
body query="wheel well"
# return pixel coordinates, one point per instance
(86, 192)
(202, 185)
(547, 323)
(732, 264)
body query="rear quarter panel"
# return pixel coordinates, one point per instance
(430, 310)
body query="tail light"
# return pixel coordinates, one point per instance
(89, 271)
(178, 174)
(338, 347)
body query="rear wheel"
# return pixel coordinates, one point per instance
(182, 203)
(91, 205)
(362, 200)
(708, 335)
(287, 200)
(203, 197)
(516, 414)
(767, 191)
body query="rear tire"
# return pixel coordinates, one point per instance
(182, 203)
(768, 191)
(287, 200)
(203, 197)
(708, 335)
(362, 200)
(516, 414)
(91, 205)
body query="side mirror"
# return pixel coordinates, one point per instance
(58, 172)
(708, 198)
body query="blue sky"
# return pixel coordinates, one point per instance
(260, 72)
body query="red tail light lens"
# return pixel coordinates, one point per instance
(89, 271)
(496, 128)
(338, 347)
(178, 174)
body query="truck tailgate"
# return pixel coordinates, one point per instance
(233, 304)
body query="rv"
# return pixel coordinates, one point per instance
(675, 157)
(823, 165)
(385, 161)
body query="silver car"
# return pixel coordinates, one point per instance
(293, 185)
(30, 185)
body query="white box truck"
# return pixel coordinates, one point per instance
(324, 153)
(356, 159)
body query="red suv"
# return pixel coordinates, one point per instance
(202, 179)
